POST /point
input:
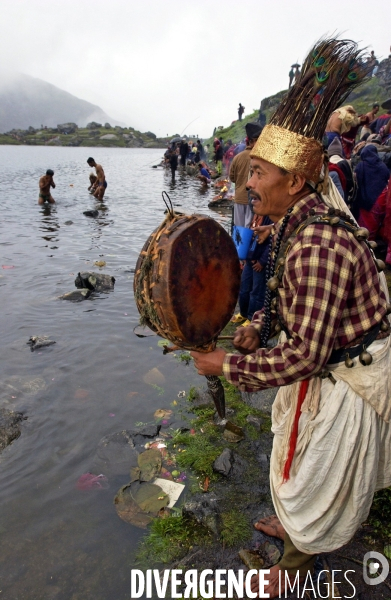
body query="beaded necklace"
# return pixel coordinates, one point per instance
(270, 268)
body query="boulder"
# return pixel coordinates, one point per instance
(223, 463)
(116, 454)
(67, 128)
(150, 135)
(91, 213)
(76, 295)
(107, 126)
(9, 426)
(204, 509)
(93, 125)
(109, 136)
(97, 282)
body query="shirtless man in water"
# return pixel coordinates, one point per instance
(45, 183)
(101, 183)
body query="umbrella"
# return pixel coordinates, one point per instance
(295, 65)
(386, 104)
(175, 139)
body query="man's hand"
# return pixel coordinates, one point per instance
(257, 266)
(246, 339)
(263, 232)
(209, 363)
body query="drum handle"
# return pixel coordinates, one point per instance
(169, 206)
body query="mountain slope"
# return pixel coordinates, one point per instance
(26, 101)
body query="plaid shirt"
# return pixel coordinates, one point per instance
(329, 296)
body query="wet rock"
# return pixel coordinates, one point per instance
(202, 398)
(91, 213)
(251, 559)
(183, 426)
(37, 341)
(9, 427)
(116, 454)
(263, 460)
(76, 295)
(154, 377)
(239, 467)
(143, 435)
(97, 282)
(68, 223)
(261, 400)
(223, 464)
(204, 509)
(138, 502)
(24, 385)
(256, 421)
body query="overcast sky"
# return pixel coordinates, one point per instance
(159, 65)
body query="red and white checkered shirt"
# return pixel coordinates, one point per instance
(329, 296)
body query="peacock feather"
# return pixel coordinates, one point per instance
(332, 69)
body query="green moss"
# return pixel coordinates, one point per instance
(236, 528)
(380, 515)
(199, 453)
(170, 538)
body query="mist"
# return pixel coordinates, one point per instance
(160, 66)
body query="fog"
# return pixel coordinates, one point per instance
(159, 66)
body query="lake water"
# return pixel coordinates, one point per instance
(58, 542)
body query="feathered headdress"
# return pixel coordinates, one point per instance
(292, 140)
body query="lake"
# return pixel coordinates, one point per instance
(58, 542)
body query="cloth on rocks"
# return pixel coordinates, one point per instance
(372, 177)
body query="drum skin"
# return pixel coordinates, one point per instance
(188, 288)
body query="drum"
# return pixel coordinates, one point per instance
(187, 281)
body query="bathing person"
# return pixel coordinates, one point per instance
(45, 183)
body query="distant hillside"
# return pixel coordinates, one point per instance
(377, 89)
(26, 101)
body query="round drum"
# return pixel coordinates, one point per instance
(187, 281)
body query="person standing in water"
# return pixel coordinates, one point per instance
(101, 183)
(45, 183)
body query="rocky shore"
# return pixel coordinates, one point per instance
(93, 135)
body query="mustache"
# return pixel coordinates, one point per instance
(253, 195)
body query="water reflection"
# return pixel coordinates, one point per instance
(49, 224)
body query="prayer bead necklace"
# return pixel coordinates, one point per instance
(270, 269)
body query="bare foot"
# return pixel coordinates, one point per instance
(274, 587)
(271, 526)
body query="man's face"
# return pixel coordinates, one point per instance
(375, 110)
(268, 189)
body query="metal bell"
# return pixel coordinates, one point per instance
(274, 302)
(277, 328)
(361, 234)
(372, 244)
(384, 326)
(349, 363)
(280, 262)
(334, 221)
(380, 265)
(365, 358)
(273, 283)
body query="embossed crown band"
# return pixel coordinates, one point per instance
(290, 151)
